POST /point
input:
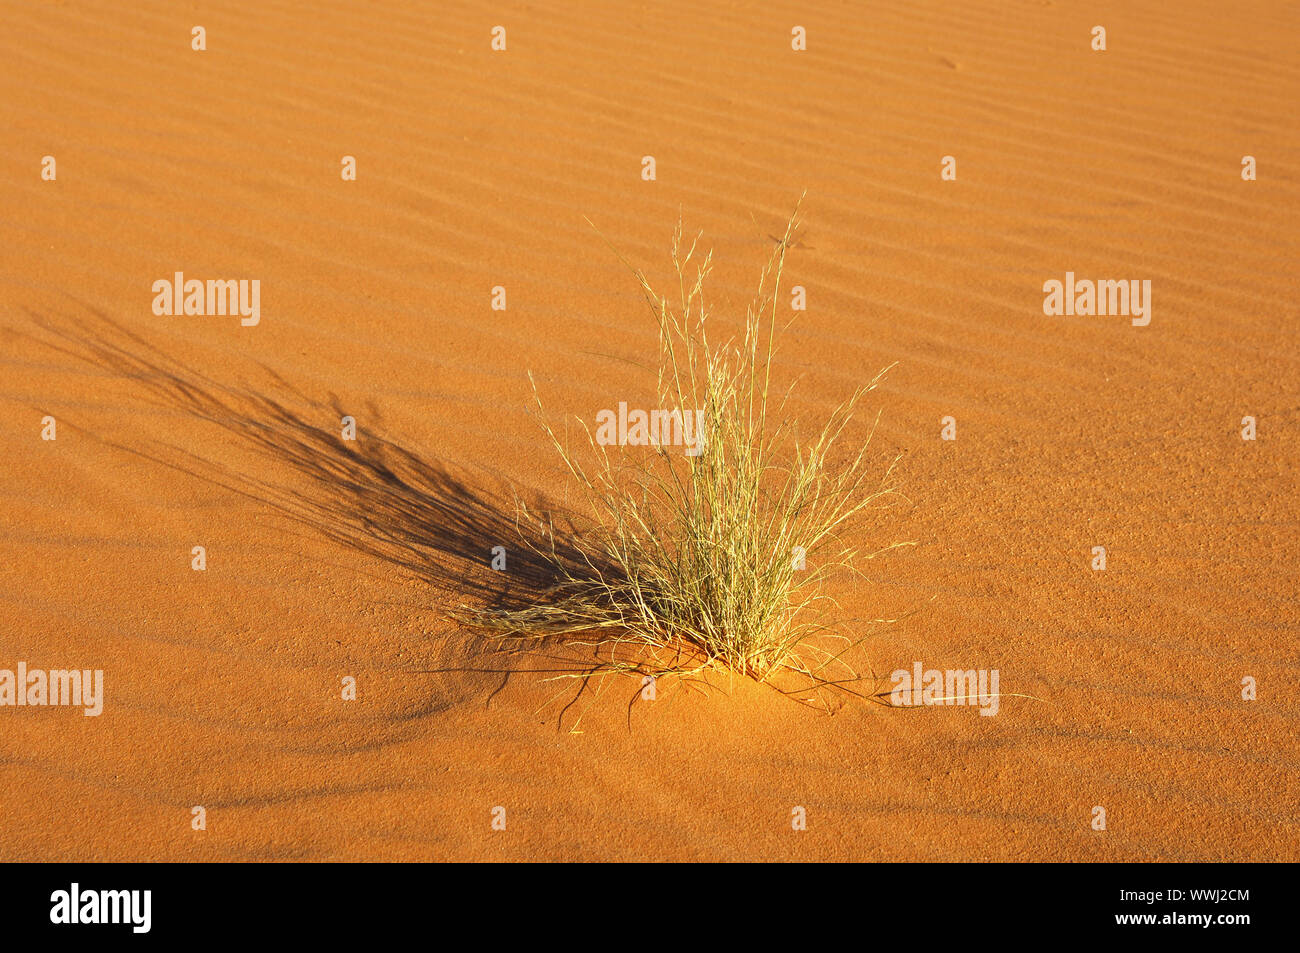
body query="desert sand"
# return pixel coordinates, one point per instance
(475, 169)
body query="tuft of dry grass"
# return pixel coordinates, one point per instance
(691, 560)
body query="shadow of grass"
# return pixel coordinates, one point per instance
(371, 495)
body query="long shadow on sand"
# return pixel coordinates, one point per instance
(371, 495)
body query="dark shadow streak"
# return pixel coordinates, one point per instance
(370, 495)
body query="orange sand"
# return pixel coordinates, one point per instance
(475, 169)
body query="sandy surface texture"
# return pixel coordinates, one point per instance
(475, 169)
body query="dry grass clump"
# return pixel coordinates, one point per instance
(690, 560)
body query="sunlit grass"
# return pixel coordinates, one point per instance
(691, 560)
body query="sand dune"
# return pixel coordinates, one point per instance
(475, 169)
